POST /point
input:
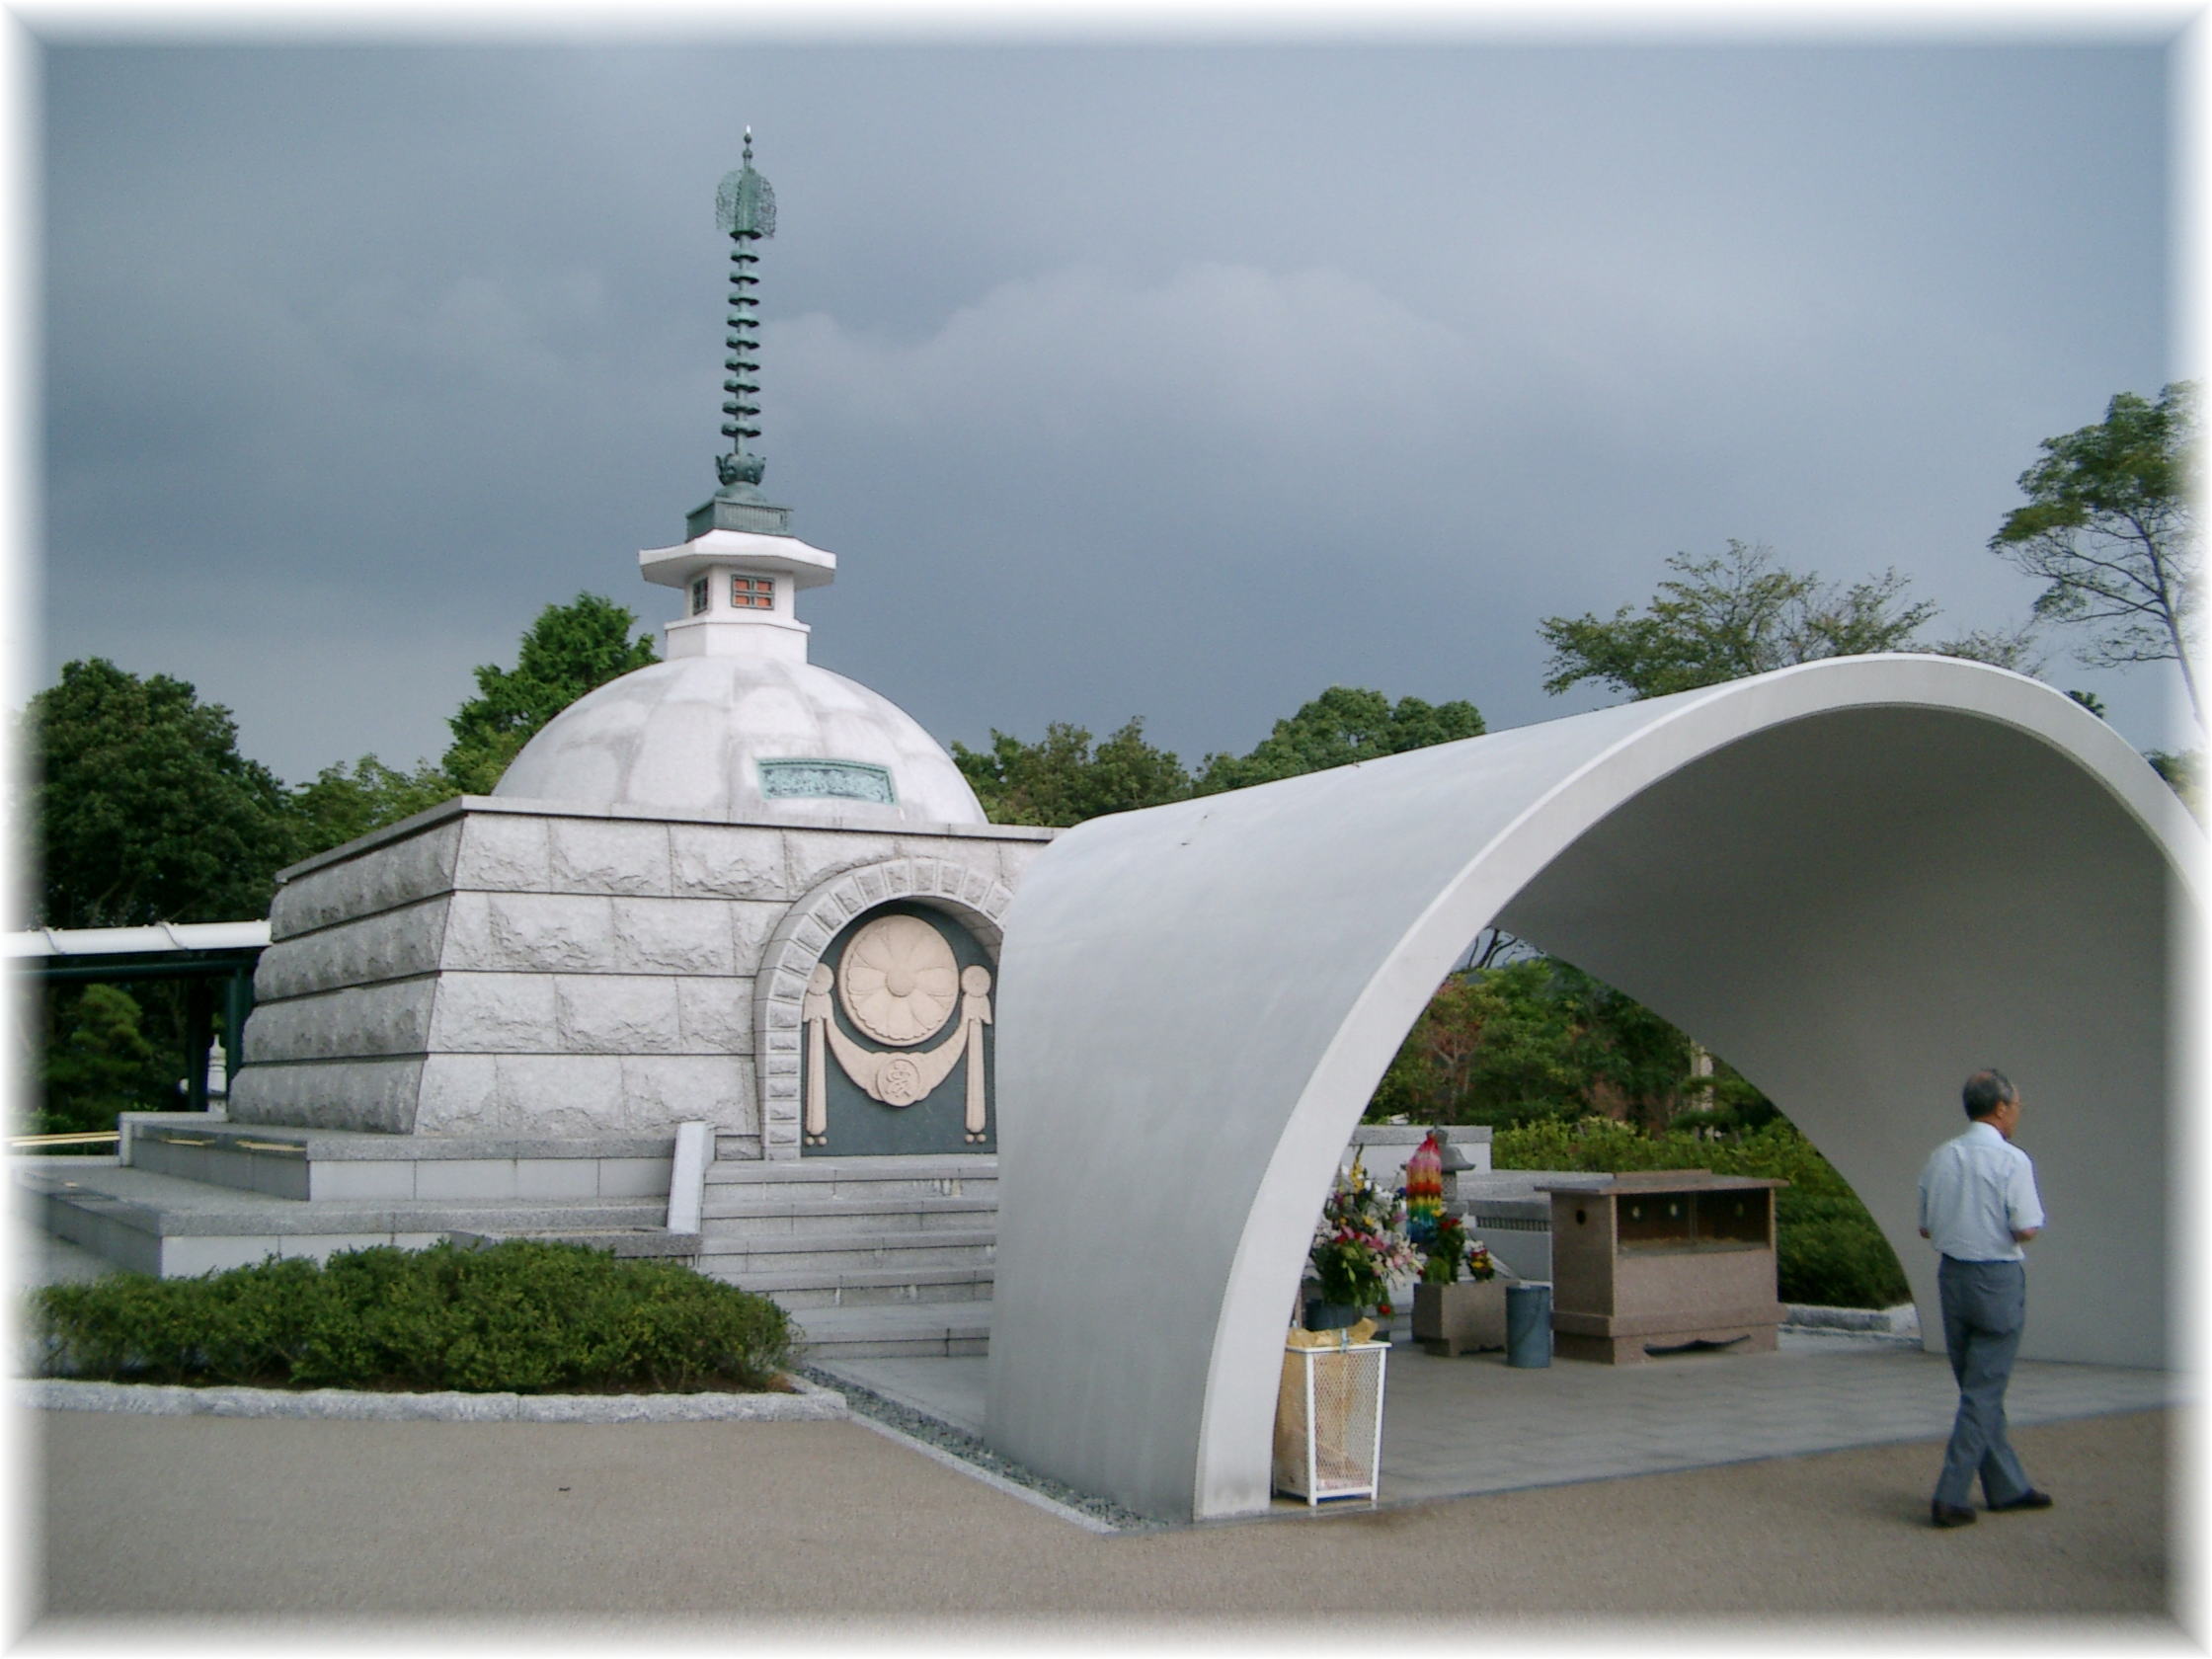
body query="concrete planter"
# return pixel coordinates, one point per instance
(1451, 1320)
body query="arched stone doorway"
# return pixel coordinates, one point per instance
(897, 1040)
(1857, 879)
(804, 1072)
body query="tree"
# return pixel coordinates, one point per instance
(1492, 1046)
(1626, 1056)
(1060, 780)
(145, 810)
(96, 1062)
(1340, 727)
(568, 651)
(1538, 1038)
(342, 805)
(2002, 648)
(1725, 618)
(2110, 528)
(2184, 772)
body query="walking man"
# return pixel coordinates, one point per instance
(1978, 1205)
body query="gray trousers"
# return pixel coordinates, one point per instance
(1985, 1305)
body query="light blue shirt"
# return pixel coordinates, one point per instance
(1975, 1192)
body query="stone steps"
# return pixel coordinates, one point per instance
(770, 1215)
(943, 1175)
(874, 1257)
(314, 1164)
(928, 1331)
(877, 1287)
(829, 1254)
(175, 1226)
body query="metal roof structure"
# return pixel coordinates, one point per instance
(163, 938)
(212, 958)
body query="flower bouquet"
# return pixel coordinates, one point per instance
(1450, 1317)
(1360, 1243)
(1450, 1253)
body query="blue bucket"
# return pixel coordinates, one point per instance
(1528, 1325)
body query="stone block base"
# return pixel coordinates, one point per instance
(1643, 1346)
(1459, 1317)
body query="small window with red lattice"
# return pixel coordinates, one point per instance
(753, 592)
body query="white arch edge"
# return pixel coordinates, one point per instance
(1241, 1367)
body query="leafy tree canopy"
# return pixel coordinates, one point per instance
(1623, 1051)
(2004, 648)
(568, 651)
(1728, 617)
(1341, 726)
(95, 1060)
(1060, 780)
(2184, 772)
(1492, 1046)
(1537, 1038)
(145, 810)
(344, 803)
(2110, 530)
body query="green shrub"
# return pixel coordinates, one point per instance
(1829, 1253)
(523, 1316)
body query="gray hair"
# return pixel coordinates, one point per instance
(1985, 1091)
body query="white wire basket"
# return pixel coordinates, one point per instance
(1328, 1422)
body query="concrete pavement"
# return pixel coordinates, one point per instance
(1457, 1427)
(831, 1529)
(720, 1529)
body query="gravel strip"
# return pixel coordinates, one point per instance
(959, 1443)
(813, 1403)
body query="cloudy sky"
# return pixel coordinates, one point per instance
(1125, 378)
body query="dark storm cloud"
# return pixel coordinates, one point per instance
(1124, 379)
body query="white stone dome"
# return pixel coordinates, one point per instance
(744, 738)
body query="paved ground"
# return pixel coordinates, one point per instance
(1453, 1428)
(309, 1527)
(141, 1528)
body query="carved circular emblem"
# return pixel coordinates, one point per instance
(899, 1082)
(899, 981)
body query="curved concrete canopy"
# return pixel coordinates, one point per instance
(1856, 879)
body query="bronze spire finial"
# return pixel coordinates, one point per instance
(746, 208)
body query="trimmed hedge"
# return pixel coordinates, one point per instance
(522, 1316)
(1829, 1252)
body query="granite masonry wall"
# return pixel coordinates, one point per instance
(521, 968)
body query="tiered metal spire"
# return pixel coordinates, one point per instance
(744, 206)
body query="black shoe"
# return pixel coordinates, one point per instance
(2029, 1499)
(1950, 1515)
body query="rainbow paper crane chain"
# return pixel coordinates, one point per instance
(1424, 1189)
